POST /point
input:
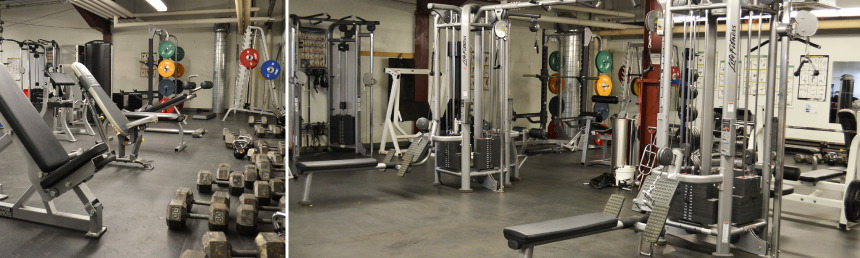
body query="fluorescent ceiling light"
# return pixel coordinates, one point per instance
(826, 13)
(158, 5)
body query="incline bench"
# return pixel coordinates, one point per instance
(343, 165)
(175, 117)
(51, 171)
(127, 132)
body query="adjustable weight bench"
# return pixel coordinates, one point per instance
(175, 117)
(128, 132)
(51, 171)
(525, 237)
(343, 165)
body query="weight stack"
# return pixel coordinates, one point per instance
(699, 203)
(487, 154)
(747, 200)
(342, 129)
(448, 155)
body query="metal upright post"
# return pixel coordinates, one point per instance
(768, 125)
(780, 146)
(665, 79)
(728, 138)
(479, 88)
(465, 95)
(707, 140)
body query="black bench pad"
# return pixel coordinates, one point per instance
(522, 236)
(357, 164)
(172, 102)
(821, 174)
(786, 190)
(162, 117)
(67, 169)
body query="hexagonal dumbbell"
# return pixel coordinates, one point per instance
(225, 132)
(276, 159)
(246, 215)
(264, 167)
(269, 245)
(282, 148)
(264, 121)
(235, 183)
(229, 138)
(252, 153)
(260, 131)
(277, 187)
(184, 193)
(205, 180)
(178, 213)
(250, 176)
(251, 121)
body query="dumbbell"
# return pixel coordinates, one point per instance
(234, 182)
(251, 121)
(260, 131)
(229, 137)
(249, 176)
(225, 132)
(276, 159)
(204, 177)
(184, 193)
(282, 148)
(178, 213)
(264, 167)
(277, 187)
(269, 245)
(249, 208)
(276, 130)
(264, 121)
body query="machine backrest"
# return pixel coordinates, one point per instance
(848, 120)
(28, 126)
(88, 83)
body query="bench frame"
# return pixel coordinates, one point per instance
(90, 223)
(306, 193)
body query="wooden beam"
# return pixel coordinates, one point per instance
(388, 54)
(97, 23)
(422, 43)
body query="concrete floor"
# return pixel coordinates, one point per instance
(373, 214)
(135, 200)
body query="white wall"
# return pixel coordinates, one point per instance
(68, 28)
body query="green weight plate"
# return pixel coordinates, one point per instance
(166, 49)
(554, 59)
(603, 62)
(180, 54)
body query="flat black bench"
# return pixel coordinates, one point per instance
(162, 117)
(341, 165)
(525, 237)
(820, 175)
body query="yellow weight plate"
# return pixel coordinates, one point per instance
(166, 68)
(603, 85)
(552, 84)
(180, 70)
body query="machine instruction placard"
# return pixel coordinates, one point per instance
(813, 87)
(757, 79)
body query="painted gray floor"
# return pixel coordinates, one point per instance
(373, 214)
(135, 200)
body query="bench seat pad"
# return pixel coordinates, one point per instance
(357, 164)
(821, 174)
(558, 229)
(73, 165)
(169, 117)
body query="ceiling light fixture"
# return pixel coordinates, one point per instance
(158, 5)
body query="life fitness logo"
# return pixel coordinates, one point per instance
(464, 55)
(732, 46)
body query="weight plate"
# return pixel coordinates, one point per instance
(603, 110)
(603, 62)
(271, 69)
(180, 86)
(621, 73)
(554, 60)
(553, 106)
(676, 74)
(168, 110)
(553, 84)
(180, 70)
(249, 58)
(636, 86)
(852, 201)
(180, 54)
(166, 49)
(166, 87)
(603, 85)
(651, 20)
(166, 68)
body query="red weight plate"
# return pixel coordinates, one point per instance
(249, 58)
(168, 110)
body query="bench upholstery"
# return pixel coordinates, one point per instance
(558, 229)
(819, 175)
(357, 164)
(164, 117)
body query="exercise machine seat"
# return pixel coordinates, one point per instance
(73, 165)
(25, 121)
(169, 117)
(821, 174)
(848, 120)
(558, 229)
(786, 190)
(172, 102)
(313, 166)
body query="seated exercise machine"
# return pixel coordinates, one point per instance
(51, 171)
(129, 133)
(327, 166)
(731, 202)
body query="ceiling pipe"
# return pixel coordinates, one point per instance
(193, 12)
(594, 11)
(589, 23)
(117, 24)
